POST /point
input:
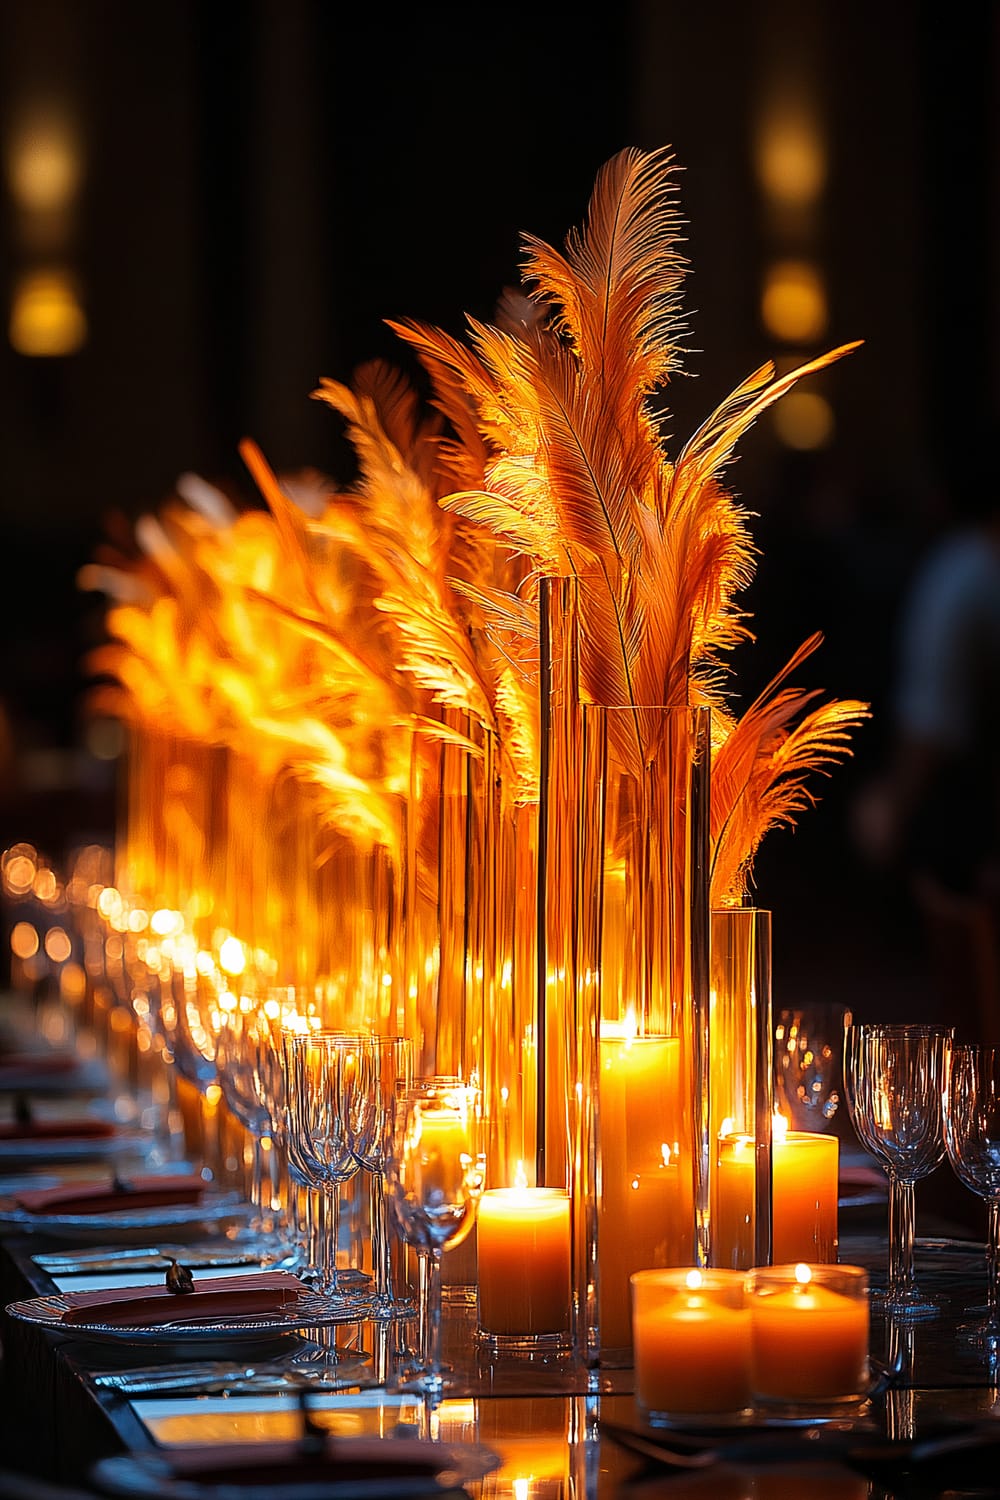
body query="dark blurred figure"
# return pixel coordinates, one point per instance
(934, 815)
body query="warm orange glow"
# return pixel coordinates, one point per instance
(44, 164)
(46, 316)
(232, 956)
(24, 940)
(793, 304)
(779, 1128)
(804, 421)
(790, 156)
(19, 867)
(46, 887)
(57, 945)
(72, 983)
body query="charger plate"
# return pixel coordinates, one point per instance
(313, 1311)
(214, 1208)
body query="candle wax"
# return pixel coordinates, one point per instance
(647, 1201)
(524, 1261)
(803, 1207)
(808, 1343)
(692, 1355)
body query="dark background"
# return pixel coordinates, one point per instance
(262, 184)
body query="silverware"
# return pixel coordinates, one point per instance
(273, 1377)
(147, 1258)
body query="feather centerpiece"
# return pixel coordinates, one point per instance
(577, 479)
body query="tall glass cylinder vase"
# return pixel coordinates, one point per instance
(450, 905)
(741, 1088)
(623, 971)
(644, 872)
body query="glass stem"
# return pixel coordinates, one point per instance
(257, 1181)
(993, 1263)
(433, 1360)
(381, 1249)
(330, 1210)
(422, 1280)
(902, 1229)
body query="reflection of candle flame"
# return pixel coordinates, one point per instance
(665, 1153)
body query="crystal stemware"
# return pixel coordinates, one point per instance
(393, 1074)
(434, 1172)
(330, 1098)
(897, 1081)
(972, 1140)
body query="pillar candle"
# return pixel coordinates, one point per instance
(803, 1205)
(692, 1342)
(646, 1192)
(524, 1261)
(808, 1332)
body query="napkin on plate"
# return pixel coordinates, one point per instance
(85, 1128)
(213, 1297)
(102, 1198)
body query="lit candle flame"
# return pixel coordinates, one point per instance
(694, 1280)
(779, 1127)
(520, 1179)
(803, 1275)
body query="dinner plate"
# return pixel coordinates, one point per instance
(312, 1311)
(123, 1222)
(151, 1476)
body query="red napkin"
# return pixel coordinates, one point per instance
(214, 1297)
(53, 1130)
(35, 1064)
(275, 1464)
(100, 1197)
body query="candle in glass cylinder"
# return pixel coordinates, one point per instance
(803, 1198)
(524, 1261)
(808, 1332)
(647, 1198)
(691, 1336)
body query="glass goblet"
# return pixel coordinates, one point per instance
(972, 1140)
(329, 1098)
(393, 1074)
(898, 1077)
(434, 1172)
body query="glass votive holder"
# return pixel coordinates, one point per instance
(809, 1330)
(691, 1337)
(524, 1281)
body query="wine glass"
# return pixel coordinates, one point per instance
(434, 1173)
(898, 1077)
(393, 1073)
(330, 1098)
(972, 1140)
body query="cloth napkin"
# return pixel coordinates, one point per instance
(86, 1128)
(100, 1197)
(213, 1297)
